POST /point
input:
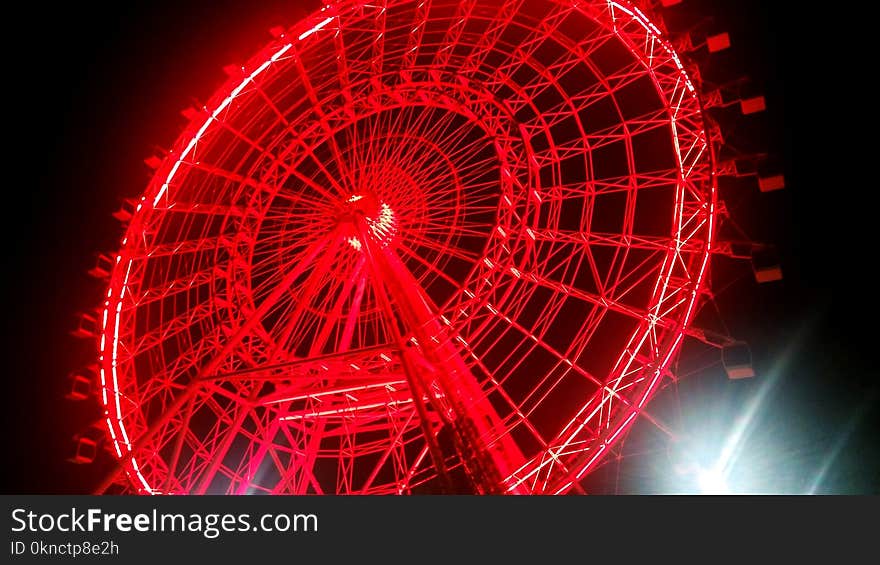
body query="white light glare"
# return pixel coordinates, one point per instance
(712, 481)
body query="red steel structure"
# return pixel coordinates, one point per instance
(413, 246)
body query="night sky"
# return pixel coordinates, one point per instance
(92, 91)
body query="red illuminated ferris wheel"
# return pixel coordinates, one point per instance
(413, 246)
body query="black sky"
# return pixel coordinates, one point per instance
(91, 91)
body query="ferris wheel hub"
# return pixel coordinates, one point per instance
(378, 215)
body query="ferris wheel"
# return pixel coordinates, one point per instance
(413, 246)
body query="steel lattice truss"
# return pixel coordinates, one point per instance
(413, 245)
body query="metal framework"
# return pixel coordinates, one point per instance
(413, 246)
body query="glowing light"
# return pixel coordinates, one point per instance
(712, 481)
(384, 226)
(355, 243)
(318, 27)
